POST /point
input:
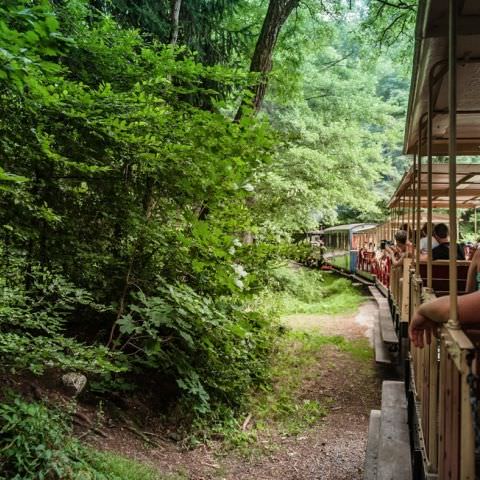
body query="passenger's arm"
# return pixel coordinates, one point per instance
(398, 261)
(429, 315)
(472, 273)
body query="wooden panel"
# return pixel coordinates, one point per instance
(432, 451)
(447, 430)
(441, 408)
(426, 393)
(455, 424)
(405, 305)
(467, 443)
(440, 275)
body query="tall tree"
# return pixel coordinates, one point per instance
(277, 14)
(391, 26)
(175, 7)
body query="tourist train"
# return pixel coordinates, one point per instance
(441, 382)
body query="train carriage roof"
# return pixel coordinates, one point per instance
(468, 186)
(431, 53)
(364, 228)
(353, 227)
(436, 218)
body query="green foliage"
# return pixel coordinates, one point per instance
(138, 221)
(36, 444)
(133, 211)
(28, 39)
(312, 292)
(33, 322)
(341, 116)
(390, 26)
(218, 31)
(216, 350)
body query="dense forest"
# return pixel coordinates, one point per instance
(156, 158)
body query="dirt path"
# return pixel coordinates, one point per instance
(332, 449)
(335, 448)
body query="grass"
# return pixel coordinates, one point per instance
(359, 349)
(312, 292)
(120, 468)
(296, 363)
(284, 406)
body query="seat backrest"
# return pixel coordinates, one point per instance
(440, 275)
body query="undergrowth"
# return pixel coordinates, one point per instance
(281, 405)
(120, 468)
(312, 292)
(284, 406)
(36, 443)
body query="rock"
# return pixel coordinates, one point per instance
(74, 383)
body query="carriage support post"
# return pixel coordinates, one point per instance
(452, 152)
(429, 179)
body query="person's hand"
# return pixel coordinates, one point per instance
(391, 250)
(420, 329)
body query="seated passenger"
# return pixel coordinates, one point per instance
(442, 250)
(424, 239)
(429, 316)
(400, 250)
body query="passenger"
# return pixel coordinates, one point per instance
(408, 229)
(424, 239)
(442, 250)
(429, 316)
(473, 275)
(400, 250)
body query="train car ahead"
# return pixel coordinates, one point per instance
(341, 250)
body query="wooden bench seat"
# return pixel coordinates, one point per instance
(440, 272)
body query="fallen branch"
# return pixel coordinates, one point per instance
(90, 428)
(82, 420)
(130, 425)
(141, 435)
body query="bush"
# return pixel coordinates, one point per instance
(216, 350)
(34, 444)
(33, 321)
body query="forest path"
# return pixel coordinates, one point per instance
(334, 448)
(343, 377)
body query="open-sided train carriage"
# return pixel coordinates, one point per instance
(443, 119)
(347, 246)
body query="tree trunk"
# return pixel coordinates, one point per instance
(174, 19)
(277, 14)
